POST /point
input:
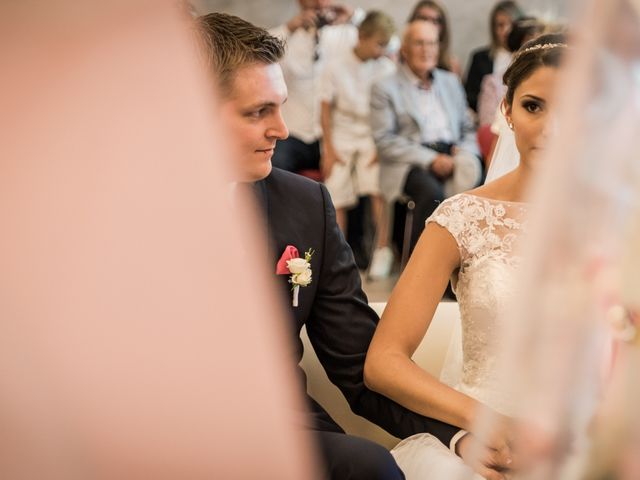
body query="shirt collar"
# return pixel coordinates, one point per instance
(414, 79)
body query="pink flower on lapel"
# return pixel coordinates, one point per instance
(289, 253)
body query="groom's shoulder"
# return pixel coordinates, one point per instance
(291, 185)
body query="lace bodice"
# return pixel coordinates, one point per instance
(486, 232)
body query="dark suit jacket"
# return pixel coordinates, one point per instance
(481, 65)
(340, 324)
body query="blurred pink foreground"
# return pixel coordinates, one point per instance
(138, 338)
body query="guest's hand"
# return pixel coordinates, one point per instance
(491, 463)
(442, 166)
(306, 19)
(343, 14)
(328, 160)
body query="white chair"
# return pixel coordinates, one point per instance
(430, 355)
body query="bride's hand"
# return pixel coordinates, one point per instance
(490, 463)
(498, 433)
(488, 449)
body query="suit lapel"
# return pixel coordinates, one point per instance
(278, 237)
(411, 98)
(262, 199)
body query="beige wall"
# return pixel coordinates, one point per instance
(469, 18)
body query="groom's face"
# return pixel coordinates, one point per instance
(252, 115)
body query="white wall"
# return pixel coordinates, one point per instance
(469, 18)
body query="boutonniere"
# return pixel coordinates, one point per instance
(290, 263)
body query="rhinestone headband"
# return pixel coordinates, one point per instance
(543, 46)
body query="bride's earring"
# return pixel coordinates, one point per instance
(510, 125)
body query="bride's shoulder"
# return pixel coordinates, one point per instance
(460, 202)
(502, 189)
(458, 213)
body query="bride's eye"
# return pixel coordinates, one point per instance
(532, 106)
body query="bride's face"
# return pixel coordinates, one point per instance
(531, 115)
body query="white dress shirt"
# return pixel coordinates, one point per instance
(434, 117)
(346, 84)
(302, 73)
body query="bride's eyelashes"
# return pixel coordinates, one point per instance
(533, 106)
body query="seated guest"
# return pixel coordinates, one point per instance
(422, 129)
(320, 30)
(349, 159)
(525, 29)
(322, 288)
(432, 11)
(495, 58)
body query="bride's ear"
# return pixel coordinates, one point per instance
(505, 108)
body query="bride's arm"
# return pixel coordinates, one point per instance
(389, 369)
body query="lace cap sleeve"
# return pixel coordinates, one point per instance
(451, 215)
(480, 225)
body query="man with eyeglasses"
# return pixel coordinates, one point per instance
(423, 131)
(434, 12)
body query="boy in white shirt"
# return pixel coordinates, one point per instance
(349, 161)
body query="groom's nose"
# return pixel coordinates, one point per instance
(277, 129)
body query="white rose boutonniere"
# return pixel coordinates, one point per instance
(299, 269)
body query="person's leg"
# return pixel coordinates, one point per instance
(346, 457)
(293, 155)
(367, 184)
(466, 174)
(381, 220)
(311, 160)
(339, 183)
(382, 258)
(357, 214)
(427, 192)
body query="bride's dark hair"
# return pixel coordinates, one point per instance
(543, 51)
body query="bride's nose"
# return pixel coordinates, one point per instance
(550, 128)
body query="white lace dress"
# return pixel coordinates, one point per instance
(486, 232)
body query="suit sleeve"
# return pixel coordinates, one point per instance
(340, 327)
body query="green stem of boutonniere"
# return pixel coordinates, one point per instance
(308, 254)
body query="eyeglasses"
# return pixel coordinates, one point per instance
(425, 43)
(427, 18)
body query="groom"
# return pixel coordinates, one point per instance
(299, 213)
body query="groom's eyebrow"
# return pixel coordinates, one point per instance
(266, 103)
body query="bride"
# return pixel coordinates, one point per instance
(471, 237)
